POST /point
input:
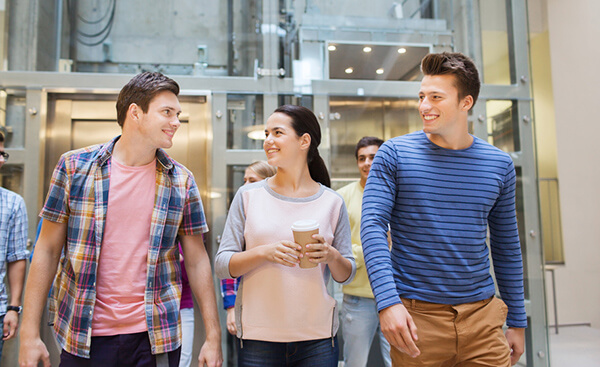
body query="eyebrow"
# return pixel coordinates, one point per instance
(435, 91)
(170, 108)
(275, 128)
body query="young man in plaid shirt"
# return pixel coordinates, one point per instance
(111, 218)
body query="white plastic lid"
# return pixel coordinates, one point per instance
(305, 225)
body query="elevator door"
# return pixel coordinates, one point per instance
(80, 120)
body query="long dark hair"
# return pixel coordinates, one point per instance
(305, 122)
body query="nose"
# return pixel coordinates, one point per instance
(268, 139)
(369, 161)
(424, 104)
(175, 123)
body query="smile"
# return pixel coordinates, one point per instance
(429, 117)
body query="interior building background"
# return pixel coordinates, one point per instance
(62, 62)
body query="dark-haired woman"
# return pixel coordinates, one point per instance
(284, 315)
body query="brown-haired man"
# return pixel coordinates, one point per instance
(114, 211)
(360, 321)
(440, 189)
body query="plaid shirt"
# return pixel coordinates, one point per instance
(78, 196)
(13, 236)
(229, 289)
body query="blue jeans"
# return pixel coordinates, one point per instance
(313, 353)
(187, 337)
(360, 322)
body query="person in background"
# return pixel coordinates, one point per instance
(114, 211)
(288, 317)
(256, 171)
(360, 319)
(440, 190)
(13, 255)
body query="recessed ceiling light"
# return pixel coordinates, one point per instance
(401, 50)
(331, 48)
(379, 71)
(349, 70)
(367, 49)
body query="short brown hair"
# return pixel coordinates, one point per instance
(141, 89)
(457, 64)
(367, 141)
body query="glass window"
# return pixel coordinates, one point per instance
(13, 114)
(235, 179)
(351, 118)
(503, 125)
(245, 121)
(494, 42)
(11, 177)
(184, 37)
(550, 221)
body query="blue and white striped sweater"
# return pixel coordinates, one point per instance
(439, 203)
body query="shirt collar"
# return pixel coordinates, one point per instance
(106, 152)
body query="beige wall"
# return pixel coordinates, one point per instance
(574, 53)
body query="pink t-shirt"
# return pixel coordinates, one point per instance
(122, 264)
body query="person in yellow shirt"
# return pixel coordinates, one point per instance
(360, 320)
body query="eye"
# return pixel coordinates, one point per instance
(421, 98)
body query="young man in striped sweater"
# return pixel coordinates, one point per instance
(440, 189)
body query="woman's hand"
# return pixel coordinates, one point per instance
(321, 252)
(231, 321)
(283, 252)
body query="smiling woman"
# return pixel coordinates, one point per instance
(258, 243)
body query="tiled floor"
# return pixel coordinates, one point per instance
(575, 346)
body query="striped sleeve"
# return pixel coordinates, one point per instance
(506, 251)
(378, 202)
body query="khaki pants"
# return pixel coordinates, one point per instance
(465, 335)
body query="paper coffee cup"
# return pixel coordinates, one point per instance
(303, 231)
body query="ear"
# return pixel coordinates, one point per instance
(134, 112)
(467, 103)
(305, 140)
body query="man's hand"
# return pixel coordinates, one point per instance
(210, 354)
(516, 342)
(399, 329)
(11, 323)
(33, 351)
